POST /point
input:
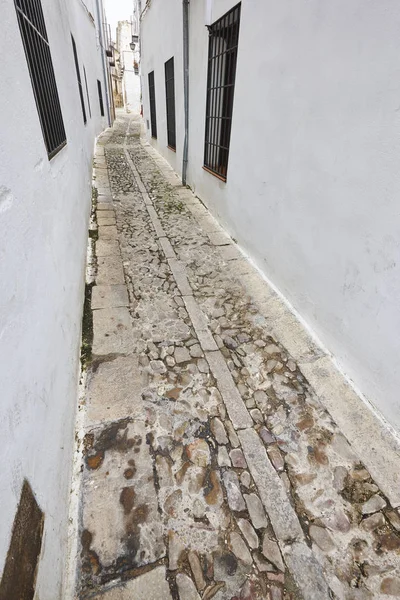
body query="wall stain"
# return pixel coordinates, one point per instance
(19, 575)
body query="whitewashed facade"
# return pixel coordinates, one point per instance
(44, 213)
(313, 179)
(129, 62)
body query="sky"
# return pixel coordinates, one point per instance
(118, 10)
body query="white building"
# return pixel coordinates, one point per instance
(129, 63)
(46, 152)
(311, 187)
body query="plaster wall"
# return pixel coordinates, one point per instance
(44, 211)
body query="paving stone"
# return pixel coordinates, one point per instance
(373, 522)
(196, 351)
(373, 505)
(107, 248)
(271, 551)
(109, 296)
(218, 431)
(175, 548)
(394, 519)
(233, 438)
(112, 331)
(232, 487)
(239, 548)
(245, 479)
(237, 458)
(248, 533)
(390, 586)
(150, 585)
(197, 571)
(256, 511)
(202, 365)
(181, 355)
(186, 588)
(223, 457)
(110, 271)
(322, 538)
(276, 458)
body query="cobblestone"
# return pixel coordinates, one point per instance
(211, 467)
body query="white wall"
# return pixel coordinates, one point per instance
(314, 170)
(161, 39)
(131, 80)
(44, 208)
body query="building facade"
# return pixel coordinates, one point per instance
(54, 102)
(293, 145)
(128, 52)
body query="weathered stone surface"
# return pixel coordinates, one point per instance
(239, 548)
(112, 332)
(181, 355)
(113, 390)
(197, 571)
(271, 551)
(237, 458)
(175, 549)
(390, 586)
(223, 457)
(199, 453)
(232, 487)
(373, 522)
(322, 538)
(248, 532)
(373, 505)
(256, 511)
(219, 431)
(109, 296)
(150, 585)
(186, 588)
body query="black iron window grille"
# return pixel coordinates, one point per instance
(170, 98)
(222, 56)
(78, 75)
(38, 56)
(152, 98)
(100, 98)
(87, 92)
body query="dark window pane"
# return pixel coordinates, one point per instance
(222, 56)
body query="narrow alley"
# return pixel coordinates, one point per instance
(221, 455)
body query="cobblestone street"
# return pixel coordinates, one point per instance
(223, 455)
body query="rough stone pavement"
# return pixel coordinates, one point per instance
(216, 460)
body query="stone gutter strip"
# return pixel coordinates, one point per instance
(304, 567)
(233, 401)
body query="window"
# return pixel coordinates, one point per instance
(38, 56)
(87, 92)
(100, 98)
(152, 97)
(170, 97)
(78, 75)
(222, 55)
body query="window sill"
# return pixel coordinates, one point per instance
(51, 155)
(172, 148)
(220, 177)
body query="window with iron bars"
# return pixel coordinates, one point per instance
(170, 98)
(78, 75)
(100, 98)
(37, 50)
(222, 56)
(152, 100)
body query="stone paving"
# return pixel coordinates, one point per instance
(216, 463)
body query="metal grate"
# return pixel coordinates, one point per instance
(170, 97)
(222, 55)
(100, 98)
(152, 97)
(78, 75)
(87, 92)
(38, 56)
